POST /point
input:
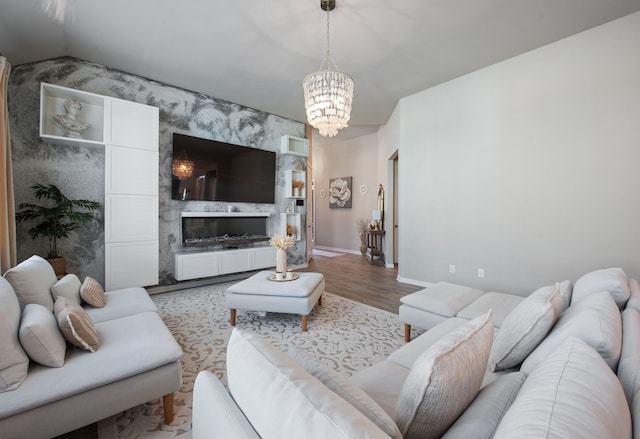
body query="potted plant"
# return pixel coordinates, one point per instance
(58, 220)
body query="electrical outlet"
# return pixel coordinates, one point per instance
(452, 268)
(480, 272)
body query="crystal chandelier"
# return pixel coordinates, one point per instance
(328, 93)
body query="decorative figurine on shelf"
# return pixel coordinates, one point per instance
(69, 121)
(291, 208)
(299, 166)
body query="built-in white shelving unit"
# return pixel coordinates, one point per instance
(294, 145)
(292, 220)
(292, 176)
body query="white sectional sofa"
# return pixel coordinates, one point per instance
(136, 358)
(565, 363)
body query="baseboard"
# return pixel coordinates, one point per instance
(418, 283)
(338, 250)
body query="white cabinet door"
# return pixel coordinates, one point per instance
(131, 218)
(235, 261)
(264, 257)
(131, 264)
(196, 265)
(131, 171)
(134, 124)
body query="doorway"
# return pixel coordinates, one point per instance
(395, 210)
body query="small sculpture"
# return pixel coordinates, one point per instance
(69, 121)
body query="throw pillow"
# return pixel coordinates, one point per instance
(14, 362)
(613, 280)
(41, 337)
(571, 394)
(566, 289)
(348, 391)
(628, 370)
(595, 319)
(69, 287)
(444, 380)
(525, 327)
(634, 296)
(92, 292)
(283, 400)
(32, 280)
(75, 324)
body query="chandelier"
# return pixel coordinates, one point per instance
(328, 93)
(182, 167)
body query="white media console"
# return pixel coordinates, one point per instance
(197, 264)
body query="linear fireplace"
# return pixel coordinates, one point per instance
(223, 230)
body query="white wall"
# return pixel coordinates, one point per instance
(528, 169)
(357, 158)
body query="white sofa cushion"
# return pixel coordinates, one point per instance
(32, 280)
(595, 319)
(444, 380)
(348, 391)
(69, 287)
(634, 296)
(613, 280)
(571, 394)
(122, 303)
(14, 362)
(40, 336)
(442, 298)
(566, 291)
(500, 304)
(629, 365)
(383, 382)
(525, 327)
(481, 418)
(282, 399)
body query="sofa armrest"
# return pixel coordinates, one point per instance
(215, 413)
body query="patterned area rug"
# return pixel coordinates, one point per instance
(346, 335)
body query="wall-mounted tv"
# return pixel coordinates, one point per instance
(219, 171)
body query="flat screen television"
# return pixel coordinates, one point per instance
(219, 171)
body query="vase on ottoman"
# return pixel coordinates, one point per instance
(281, 243)
(281, 260)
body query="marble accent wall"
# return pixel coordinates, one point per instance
(79, 171)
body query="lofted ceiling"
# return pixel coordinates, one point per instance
(256, 52)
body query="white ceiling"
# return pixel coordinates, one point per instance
(256, 52)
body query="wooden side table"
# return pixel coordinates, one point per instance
(375, 255)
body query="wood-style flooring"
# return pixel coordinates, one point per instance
(351, 276)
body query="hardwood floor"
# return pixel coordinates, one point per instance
(351, 276)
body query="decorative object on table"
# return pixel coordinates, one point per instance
(73, 126)
(281, 243)
(289, 274)
(57, 221)
(328, 93)
(283, 278)
(361, 226)
(291, 230)
(291, 208)
(298, 185)
(376, 217)
(340, 193)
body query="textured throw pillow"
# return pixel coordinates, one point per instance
(92, 292)
(40, 336)
(613, 280)
(348, 391)
(75, 324)
(69, 287)
(283, 400)
(595, 319)
(525, 327)
(628, 370)
(444, 380)
(566, 289)
(14, 363)
(571, 394)
(32, 281)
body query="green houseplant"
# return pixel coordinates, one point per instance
(57, 220)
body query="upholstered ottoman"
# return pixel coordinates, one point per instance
(258, 293)
(441, 301)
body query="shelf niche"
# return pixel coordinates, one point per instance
(294, 145)
(291, 176)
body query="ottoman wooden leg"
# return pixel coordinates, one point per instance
(304, 323)
(233, 317)
(407, 332)
(167, 403)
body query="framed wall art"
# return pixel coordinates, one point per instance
(340, 192)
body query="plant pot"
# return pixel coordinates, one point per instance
(59, 265)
